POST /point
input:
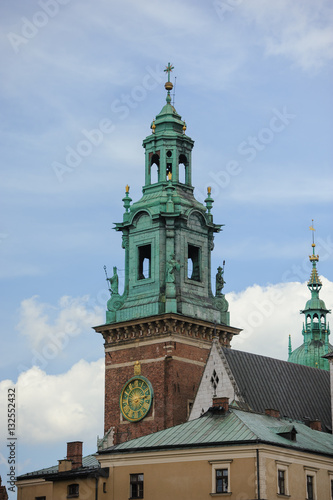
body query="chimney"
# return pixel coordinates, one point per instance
(272, 413)
(221, 403)
(64, 465)
(74, 453)
(315, 425)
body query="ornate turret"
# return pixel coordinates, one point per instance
(167, 316)
(315, 328)
(168, 235)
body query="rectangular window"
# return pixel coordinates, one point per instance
(136, 485)
(281, 482)
(144, 262)
(221, 480)
(221, 476)
(193, 263)
(72, 491)
(309, 488)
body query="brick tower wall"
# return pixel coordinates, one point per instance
(173, 368)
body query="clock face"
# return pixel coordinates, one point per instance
(136, 398)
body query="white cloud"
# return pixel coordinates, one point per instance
(300, 31)
(48, 326)
(269, 314)
(68, 406)
(58, 408)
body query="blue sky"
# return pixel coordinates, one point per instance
(253, 82)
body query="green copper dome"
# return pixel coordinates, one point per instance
(311, 355)
(315, 328)
(314, 303)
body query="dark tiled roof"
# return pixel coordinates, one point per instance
(88, 462)
(297, 391)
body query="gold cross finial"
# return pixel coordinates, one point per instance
(168, 70)
(312, 229)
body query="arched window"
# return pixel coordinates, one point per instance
(144, 261)
(154, 168)
(193, 263)
(168, 164)
(182, 168)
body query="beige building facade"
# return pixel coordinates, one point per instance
(227, 452)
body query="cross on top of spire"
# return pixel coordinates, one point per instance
(313, 258)
(168, 70)
(168, 86)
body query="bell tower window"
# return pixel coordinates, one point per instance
(193, 263)
(154, 168)
(168, 164)
(144, 262)
(182, 169)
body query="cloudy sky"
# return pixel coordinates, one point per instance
(80, 84)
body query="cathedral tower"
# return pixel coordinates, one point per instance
(159, 331)
(315, 328)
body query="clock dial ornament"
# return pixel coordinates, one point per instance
(136, 398)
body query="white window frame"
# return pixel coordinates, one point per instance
(311, 471)
(220, 464)
(285, 467)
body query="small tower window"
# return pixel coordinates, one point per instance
(193, 263)
(168, 164)
(154, 168)
(144, 268)
(182, 168)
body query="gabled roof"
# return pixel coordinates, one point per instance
(233, 427)
(298, 392)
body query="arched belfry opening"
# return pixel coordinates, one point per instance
(182, 167)
(168, 164)
(154, 168)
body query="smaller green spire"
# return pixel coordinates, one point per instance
(289, 346)
(315, 328)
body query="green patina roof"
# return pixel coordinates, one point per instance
(231, 428)
(311, 354)
(313, 304)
